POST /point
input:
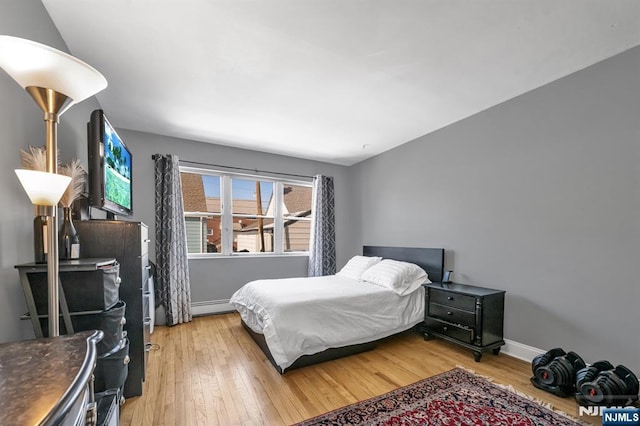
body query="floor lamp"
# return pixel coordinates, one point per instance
(56, 81)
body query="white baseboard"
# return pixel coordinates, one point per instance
(520, 350)
(211, 307)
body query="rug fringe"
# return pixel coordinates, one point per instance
(510, 388)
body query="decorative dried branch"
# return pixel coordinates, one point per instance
(76, 187)
(36, 158)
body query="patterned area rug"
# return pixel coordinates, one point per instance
(456, 397)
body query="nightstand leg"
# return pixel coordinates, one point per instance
(496, 351)
(477, 356)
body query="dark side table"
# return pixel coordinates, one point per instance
(32, 272)
(467, 315)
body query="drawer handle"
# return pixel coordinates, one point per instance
(126, 360)
(449, 298)
(147, 321)
(444, 328)
(147, 347)
(148, 240)
(449, 313)
(148, 267)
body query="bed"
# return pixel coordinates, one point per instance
(302, 321)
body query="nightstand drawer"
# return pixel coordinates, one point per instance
(451, 314)
(447, 298)
(459, 333)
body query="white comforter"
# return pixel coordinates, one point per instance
(303, 316)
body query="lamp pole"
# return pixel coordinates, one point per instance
(53, 104)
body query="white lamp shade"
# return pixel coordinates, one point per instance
(34, 64)
(43, 188)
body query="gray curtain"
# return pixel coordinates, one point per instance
(322, 247)
(172, 268)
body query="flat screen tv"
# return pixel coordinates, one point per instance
(110, 178)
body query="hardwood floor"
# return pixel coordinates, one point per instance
(210, 372)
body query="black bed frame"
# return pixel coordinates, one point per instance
(429, 259)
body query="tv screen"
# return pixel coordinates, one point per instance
(110, 168)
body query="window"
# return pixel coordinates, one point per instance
(231, 213)
(296, 213)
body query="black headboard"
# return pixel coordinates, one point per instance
(429, 259)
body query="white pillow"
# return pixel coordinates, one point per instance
(357, 265)
(400, 277)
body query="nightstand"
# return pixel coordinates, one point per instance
(467, 315)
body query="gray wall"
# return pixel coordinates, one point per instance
(217, 279)
(538, 196)
(21, 125)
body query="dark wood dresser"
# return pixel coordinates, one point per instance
(128, 243)
(467, 315)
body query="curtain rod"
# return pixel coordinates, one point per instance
(244, 169)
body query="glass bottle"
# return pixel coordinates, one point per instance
(68, 239)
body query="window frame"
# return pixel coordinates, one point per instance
(226, 215)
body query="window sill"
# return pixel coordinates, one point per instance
(198, 256)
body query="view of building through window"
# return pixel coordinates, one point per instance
(253, 223)
(296, 211)
(226, 213)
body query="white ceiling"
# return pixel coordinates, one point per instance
(321, 79)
